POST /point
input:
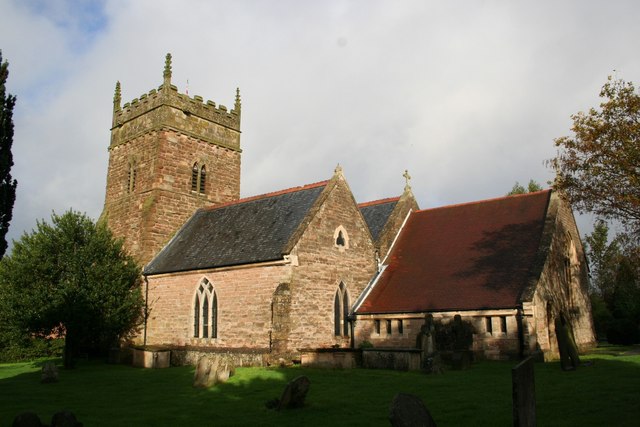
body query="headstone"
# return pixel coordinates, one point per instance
(407, 410)
(294, 393)
(27, 419)
(524, 394)
(49, 373)
(569, 359)
(211, 371)
(65, 419)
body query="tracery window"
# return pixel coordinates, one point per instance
(341, 311)
(205, 311)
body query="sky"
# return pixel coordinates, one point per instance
(468, 96)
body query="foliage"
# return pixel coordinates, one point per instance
(615, 284)
(7, 184)
(454, 335)
(605, 393)
(23, 347)
(71, 279)
(532, 187)
(597, 168)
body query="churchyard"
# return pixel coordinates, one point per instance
(604, 393)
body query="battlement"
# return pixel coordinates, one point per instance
(167, 95)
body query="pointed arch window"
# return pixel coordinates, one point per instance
(341, 238)
(194, 177)
(131, 177)
(341, 311)
(198, 178)
(205, 311)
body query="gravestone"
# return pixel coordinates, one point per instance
(49, 373)
(65, 419)
(27, 419)
(524, 394)
(293, 396)
(407, 410)
(211, 371)
(569, 359)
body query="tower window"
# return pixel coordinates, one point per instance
(198, 178)
(131, 178)
(205, 311)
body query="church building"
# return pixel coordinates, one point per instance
(266, 277)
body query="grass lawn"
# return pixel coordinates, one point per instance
(606, 393)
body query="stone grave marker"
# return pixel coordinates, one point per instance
(524, 394)
(407, 410)
(49, 373)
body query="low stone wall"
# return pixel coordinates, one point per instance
(399, 359)
(165, 356)
(341, 358)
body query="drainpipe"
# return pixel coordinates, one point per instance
(146, 307)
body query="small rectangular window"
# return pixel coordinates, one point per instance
(388, 326)
(488, 325)
(503, 324)
(377, 326)
(400, 327)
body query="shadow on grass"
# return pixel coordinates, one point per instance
(100, 395)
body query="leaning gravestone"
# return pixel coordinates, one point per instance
(524, 394)
(407, 410)
(49, 373)
(211, 371)
(294, 394)
(569, 358)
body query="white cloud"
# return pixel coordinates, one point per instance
(466, 95)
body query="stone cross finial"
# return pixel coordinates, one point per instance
(167, 70)
(116, 97)
(407, 179)
(338, 170)
(237, 104)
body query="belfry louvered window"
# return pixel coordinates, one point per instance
(131, 177)
(205, 311)
(198, 178)
(341, 311)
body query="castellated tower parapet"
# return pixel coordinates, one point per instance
(169, 155)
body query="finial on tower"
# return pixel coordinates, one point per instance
(407, 178)
(167, 70)
(238, 105)
(117, 97)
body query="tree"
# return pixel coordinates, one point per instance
(7, 184)
(615, 287)
(72, 279)
(598, 168)
(519, 189)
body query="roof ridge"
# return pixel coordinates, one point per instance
(493, 199)
(266, 195)
(378, 202)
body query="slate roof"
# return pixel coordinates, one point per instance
(247, 231)
(377, 213)
(463, 257)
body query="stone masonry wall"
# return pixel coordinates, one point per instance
(563, 287)
(406, 204)
(244, 306)
(162, 200)
(323, 266)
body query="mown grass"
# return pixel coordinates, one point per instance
(605, 393)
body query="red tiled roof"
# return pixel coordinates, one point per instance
(462, 257)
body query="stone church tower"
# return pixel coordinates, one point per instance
(169, 155)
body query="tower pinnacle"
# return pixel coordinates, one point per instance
(167, 70)
(238, 105)
(117, 97)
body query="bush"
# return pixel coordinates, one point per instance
(21, 349)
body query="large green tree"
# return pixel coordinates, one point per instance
(598, 168)
(72, 278)
(7, 184)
